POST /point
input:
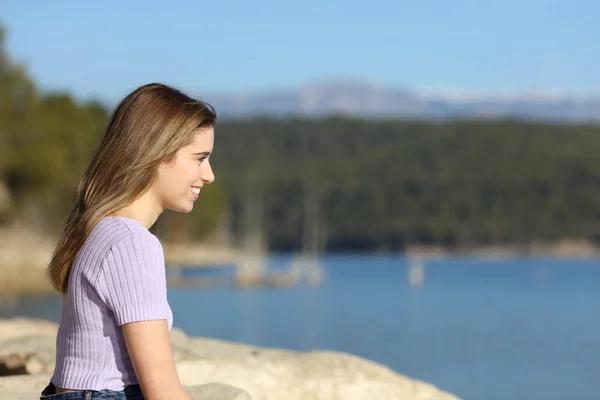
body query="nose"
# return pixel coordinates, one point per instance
(207, 175)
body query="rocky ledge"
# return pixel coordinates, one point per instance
(219, 370)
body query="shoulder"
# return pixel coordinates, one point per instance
(120, 231)
(118, 241)
(134, 263)
(133, 242)
(132, 278)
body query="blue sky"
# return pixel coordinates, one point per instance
(105, 48)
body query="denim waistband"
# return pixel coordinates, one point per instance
(130, 392)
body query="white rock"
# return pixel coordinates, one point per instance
(240, 370)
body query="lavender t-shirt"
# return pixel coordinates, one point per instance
(118, 277)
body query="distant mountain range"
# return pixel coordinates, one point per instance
(355, 98)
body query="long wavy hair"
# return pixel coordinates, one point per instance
(148, 127)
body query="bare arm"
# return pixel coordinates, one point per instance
(149, 347)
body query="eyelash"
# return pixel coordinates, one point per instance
(202, 159)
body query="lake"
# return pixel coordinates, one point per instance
(489, 329)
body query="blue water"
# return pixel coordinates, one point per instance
(481, 329)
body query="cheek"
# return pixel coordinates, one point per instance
(164, 181)
(192, 173)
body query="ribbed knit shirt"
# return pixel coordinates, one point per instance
(117, 277)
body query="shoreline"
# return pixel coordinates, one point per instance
(24, 256)
(29, 280)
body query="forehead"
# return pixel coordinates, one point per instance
(203, 140)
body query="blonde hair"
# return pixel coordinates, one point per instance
(148, 127)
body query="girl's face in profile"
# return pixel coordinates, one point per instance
(179, 182)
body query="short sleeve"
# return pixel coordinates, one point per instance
(132, 282)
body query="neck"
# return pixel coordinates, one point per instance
(144, 210)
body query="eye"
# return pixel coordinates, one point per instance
(202, 159)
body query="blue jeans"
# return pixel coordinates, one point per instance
(131, 392)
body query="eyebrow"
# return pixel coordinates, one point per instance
(204, 153)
